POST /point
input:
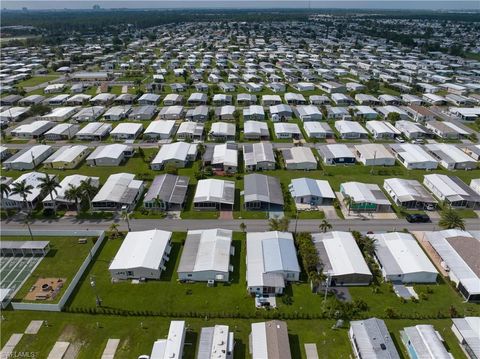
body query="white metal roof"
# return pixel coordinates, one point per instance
(126, 128)
(400, 253)
(300, 155)
(143, 249)
(66, 153)
(29, 154)
(413, 153)
(373, 151)
(61, 112)
(269, 252)
(175, 340)
(382, 127)
(212, 250)
(226, 155)
(95, 129)
(365, 193)
(469, 329)
(68, 182)
(449, 153)
(214, 190)
(162, 127)
(114, 151)
(311, 187)
(175, 151)
(117, 188)
(343, 253)
(32, 179)
(34, 127)
(456, 264)
(426, 342)
(286, 127)
(223, 129)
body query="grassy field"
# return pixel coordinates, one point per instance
(148, 308)
(63, 260)
(37, 80)
(137, 334)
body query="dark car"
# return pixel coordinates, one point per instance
(417, 218)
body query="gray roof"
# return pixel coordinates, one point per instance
(262, 188)
(24, 244)
(373, 339)
(169, 188)
(253, 153)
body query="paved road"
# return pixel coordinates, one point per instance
(252, 225)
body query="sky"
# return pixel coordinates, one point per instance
(232, 4)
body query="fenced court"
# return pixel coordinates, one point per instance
(14, 271)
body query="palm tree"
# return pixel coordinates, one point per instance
(22, 189)
(49, 185)
(4, 190)
(126, 217)
(279, 224)
(325, 226)
(348, 201)
(27, 222)
(369, 245)
(74, 193)
(88, 190)
(243, 227)
(450, 219)
(114, 229)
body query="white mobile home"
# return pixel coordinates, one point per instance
(206, 256)
(343, 263)
(28, 158)
(110, 155)
(142, 255)
(402, 260)
(269, 274)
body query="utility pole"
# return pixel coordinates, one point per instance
(374, 161)
(93, 284)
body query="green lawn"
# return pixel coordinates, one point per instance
(442, 297)
(63, 261)
(132, 165)
(37, 80)
(137, 334)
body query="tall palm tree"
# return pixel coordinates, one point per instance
(27, 222)
(369, 245)
(348, 201)
(4, 190)
(449, 219)
(74, 193)
(126, 217)
(114, 229)
(279, 224)
(243, 227)
(22, 189)
(325, 226)
(88, 190)
(49, 185)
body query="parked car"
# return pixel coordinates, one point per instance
(417, 218)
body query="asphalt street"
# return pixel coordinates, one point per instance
(252, 225)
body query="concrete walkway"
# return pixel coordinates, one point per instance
(9, 347)
(110, 349)
(34, 327)
(58, 351)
